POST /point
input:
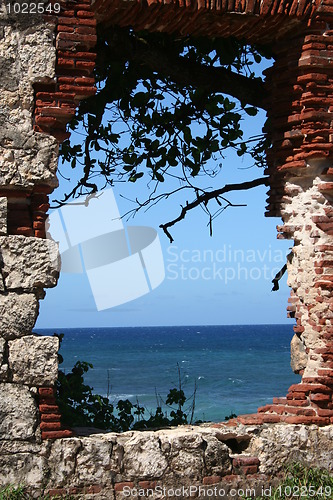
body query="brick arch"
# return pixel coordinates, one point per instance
(300, 105)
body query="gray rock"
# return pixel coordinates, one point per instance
(27, 57)
(3, 216)
(299, 357)
(22, 463)
(280, 444)
(149, 459)
(18, 314)
(18, 412)
(33, 360)
(216, 456)
(28, 263)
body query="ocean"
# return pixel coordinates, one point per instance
(235, 369)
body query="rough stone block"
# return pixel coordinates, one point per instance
(26, 157)
(22, 463)
(33, 360)
(18, 412)
(28, 263)
(18, 314)
(299, 357)
(3, 216)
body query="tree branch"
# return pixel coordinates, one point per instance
(188, 73)
(205, 197)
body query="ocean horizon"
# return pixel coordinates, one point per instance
(231, 368)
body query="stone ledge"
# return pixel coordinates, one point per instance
(105, 464)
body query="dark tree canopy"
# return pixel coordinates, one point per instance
(167, 107)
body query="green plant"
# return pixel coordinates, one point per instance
(80, 407)
(301, 481)
(14, 493)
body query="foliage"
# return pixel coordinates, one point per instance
(80, 407)
(167, 107)
(303, 482)
(13, 493)
(230, 417)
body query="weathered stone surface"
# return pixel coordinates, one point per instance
(27, 57)
(28, 263)
(149, 459)
(18, 412)
(299, 357)
(27, 167)
(216, 456)
(18, 314)
(22, 463)
(102, 461)
(64, 451)
(278, 445)
(3, 216)
(33, 360)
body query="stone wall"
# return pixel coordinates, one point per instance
(28, 162)
(46, 64)
(216, 461)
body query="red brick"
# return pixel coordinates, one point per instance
(270, 419)
(239, 461)
(50, 417)
(88, 22)
(65, 29)
(306, 420)
(249, 469)
(211, 480)
(306, 388)
(279, 401)
(38, 225)
(85, 80)
(57, 492)
(44, 408)
(263, 409)
(57, 434)
(325, 373)
(297, 402)
(308, 412)
(86, 30)
(45, 121)
(324, 412)
(147, 484)
(121, 486)
(21, 231)
(251, 419)
(77, 55)
(50, 426)
(60, 136)
(93, 489)
(83, 13)
(49, 400)
(231, 478)
(66, 63)
(85, 65)
(40, 233)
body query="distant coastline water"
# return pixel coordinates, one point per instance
(235, 368)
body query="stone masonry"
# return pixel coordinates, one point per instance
(46, 67)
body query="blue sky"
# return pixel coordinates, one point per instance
(224, 279)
